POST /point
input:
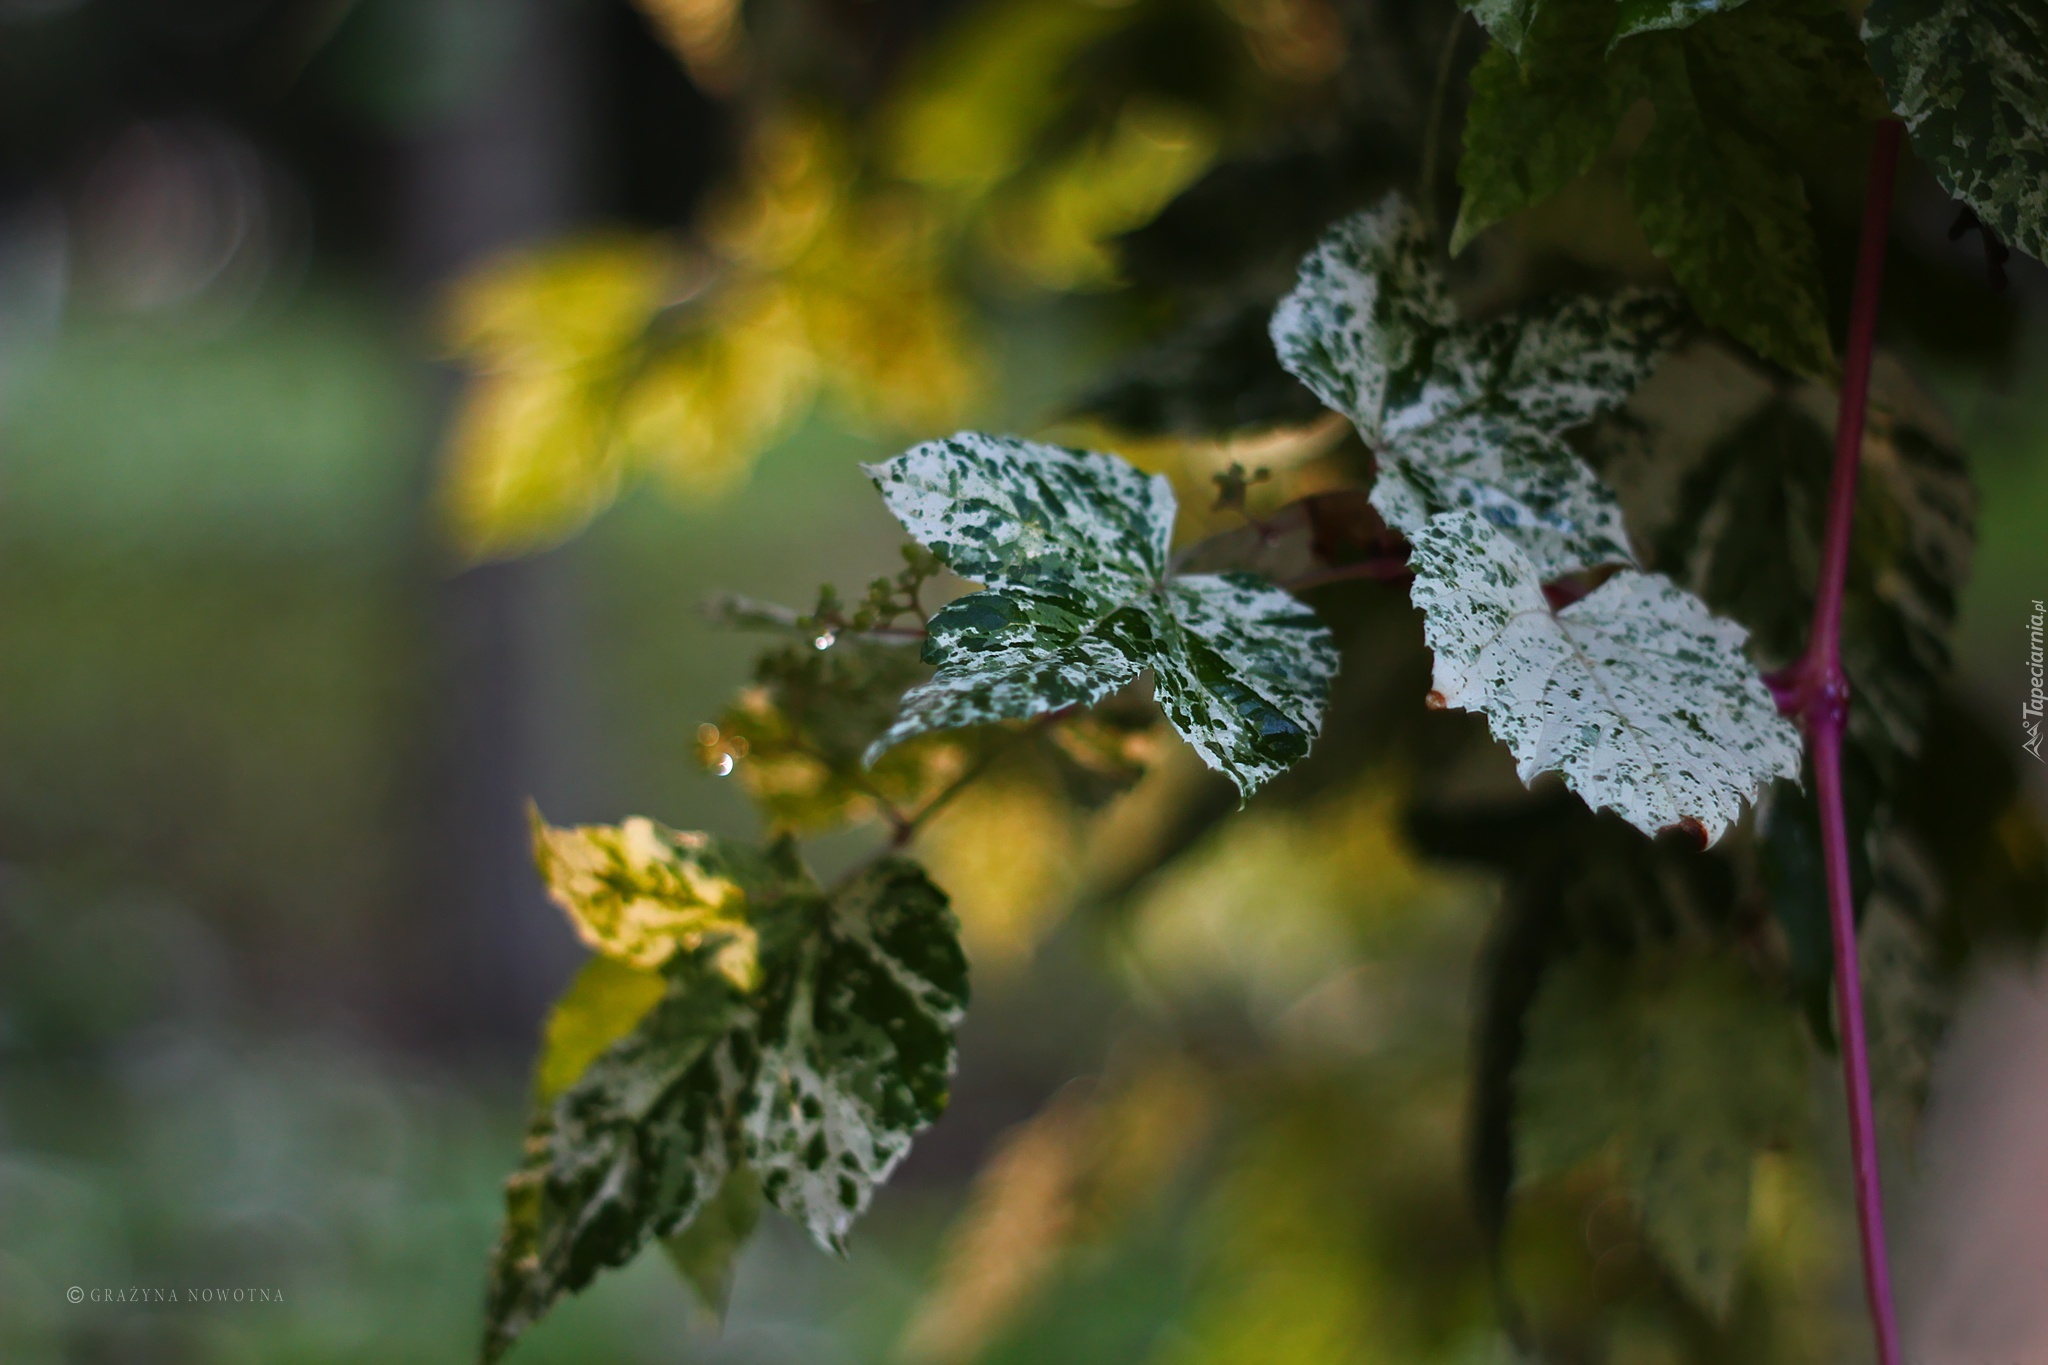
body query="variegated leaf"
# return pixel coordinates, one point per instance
(1685, 1070)
(856, 1048)
(1641, 699)
(1013, 513)
(1469, 415)
(628, 1153)
(1970, 78)
(1079, 602)
(638, 891)
(1243, 673)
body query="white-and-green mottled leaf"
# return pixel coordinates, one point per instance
(1072, 546)
(1469, 415)
(1017, 514)
(856, 1048)
(1641, 699)
(1507, 21)
(1243, 673)
(1970, 78)
(1368, 305)
(628, 1153)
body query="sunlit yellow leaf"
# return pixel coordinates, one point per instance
(980, 98)
(638, 891)
(601, 1006)
(704, 407)
(550, 339)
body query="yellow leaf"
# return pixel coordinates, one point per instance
(1056, 231)
(703, 409)
(981, 97)
(638, 891)
(602, 1005)
(550, 338)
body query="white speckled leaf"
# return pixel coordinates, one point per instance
(1970, 78)
(1641, 699)
(856, 1048)
(1072, 546)
(1244, 675)
(1465, 415)
(628, 1153)
(1013, 513)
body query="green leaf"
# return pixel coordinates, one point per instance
(1970, 78)
(1727, 212)
(1748, 104)
(628, 1153)
(704, 1252)
(1644, 702)
(1684, 1070)
(1073, 548)
(1535, 125)
(856, 1047)
(1469, 415)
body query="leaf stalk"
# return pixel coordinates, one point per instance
(1815, 691)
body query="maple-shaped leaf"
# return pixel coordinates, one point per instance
(856, 1047)
(1640, 698)
(638, 891)
(1469, 415)
(1970, 78)
(631, 1151)
(1685, 1070)
(1750, 104)
(1079, 600)
(662, 1094)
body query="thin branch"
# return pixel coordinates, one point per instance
(1817, 691)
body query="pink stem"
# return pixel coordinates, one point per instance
(1818, 692)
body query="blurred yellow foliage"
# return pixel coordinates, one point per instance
(1004, 849)
(1088, 1161)
(979, 98)
(548, 338)
(594, 359)
(1055, 229)
(1277, 902)
(821, 268)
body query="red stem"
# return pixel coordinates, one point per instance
(1817, 691)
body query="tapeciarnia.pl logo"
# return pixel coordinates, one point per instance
(2037, 697)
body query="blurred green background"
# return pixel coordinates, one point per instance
(272, 958)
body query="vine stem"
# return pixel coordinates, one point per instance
(1816, 691)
